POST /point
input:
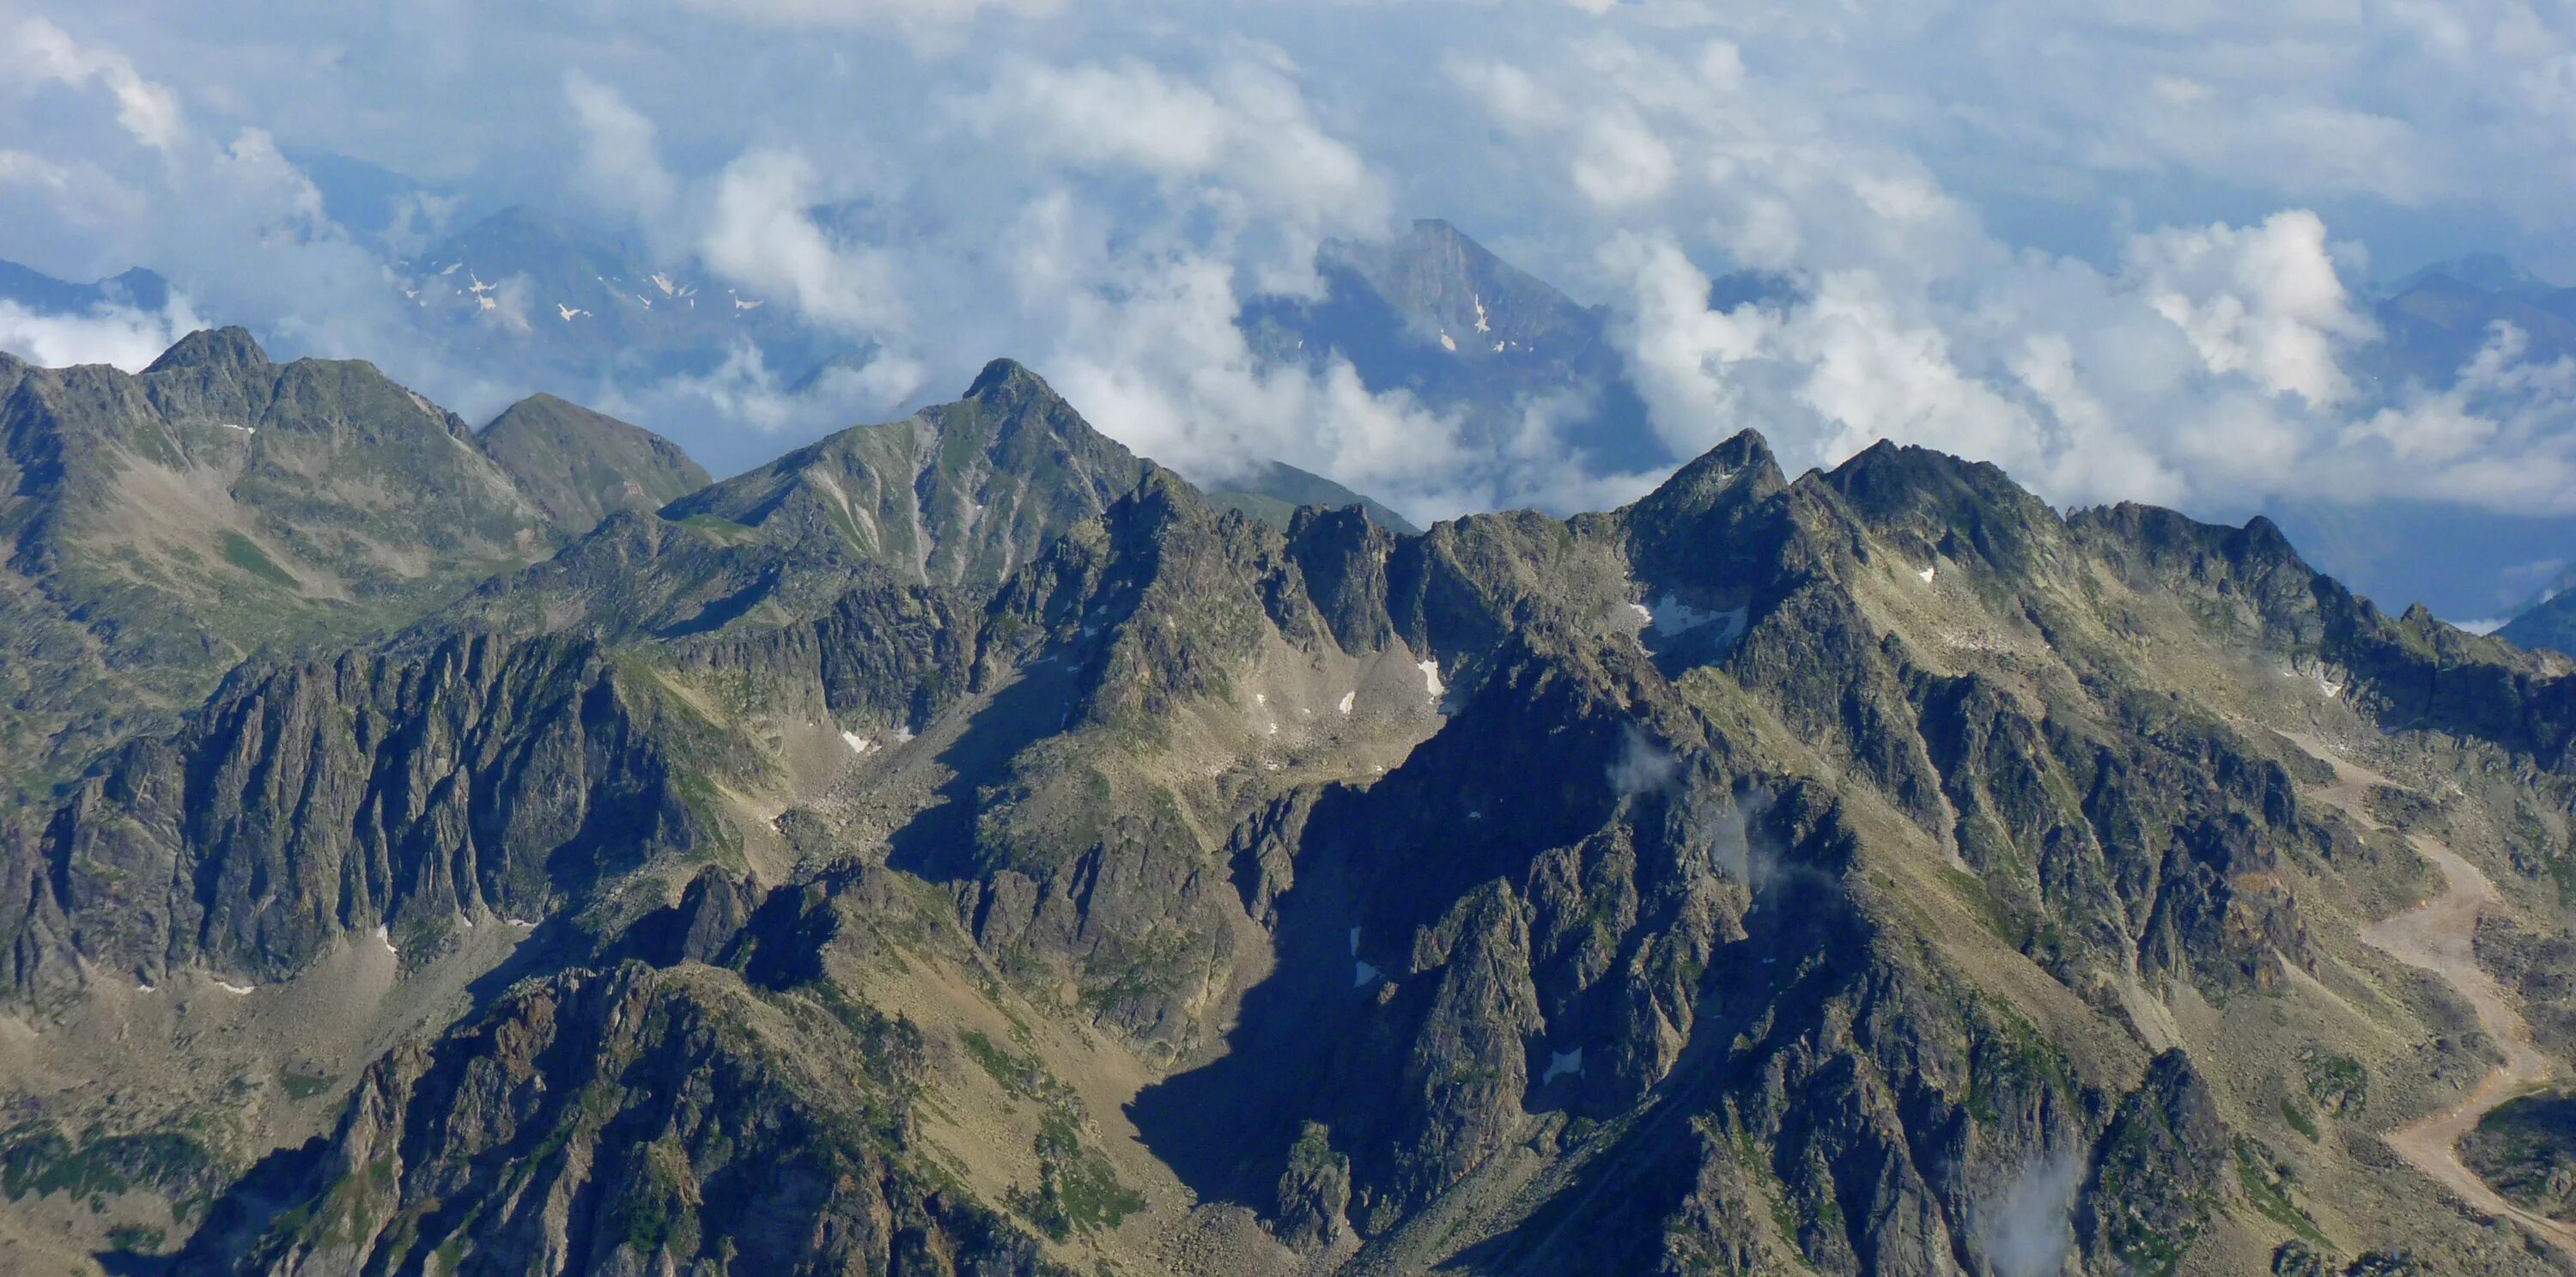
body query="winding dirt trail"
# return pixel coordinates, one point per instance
(2439, 936)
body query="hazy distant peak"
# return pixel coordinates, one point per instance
(2486, 272)
(1475, 304)
(36, 290)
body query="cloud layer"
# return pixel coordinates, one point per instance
(2119, 253)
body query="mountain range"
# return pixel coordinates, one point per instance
(962, 845)
(529, 299)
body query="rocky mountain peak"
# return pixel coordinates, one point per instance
(1697, 485)
(2157, 535)
(1008, 381)
(957, 494)
(1941, 504)
(230, 347)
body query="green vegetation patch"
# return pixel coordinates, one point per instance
(653, 1211)
(1078, 1190)
(137, 1239)
(2339, 1084)
(2526, 1151)
(39, 1161)
(2270, 1186)
(1022, 1076)
(303, 1086)
(244, 553)
(1143, 969)
(2299, 1120)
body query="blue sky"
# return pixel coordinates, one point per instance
(2118, 248)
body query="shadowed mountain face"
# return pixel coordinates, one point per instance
(961, 846)
(2549, 624)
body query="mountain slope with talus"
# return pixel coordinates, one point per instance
(1871, 871)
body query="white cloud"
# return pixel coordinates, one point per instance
(1897, 160)
(2503, 434)
(1150, 353)
(760, 232)
(1875, 373)
(2027, 1229)
(2263, 300)
(1126, 114)
(1240, 143)
(621, 160)
(1129, 308)
(920, 17)
(1683, 355)
(1511, 95)
(743, 391)
(123, 336)
(2209, 364)
(39, 51)
(1621, 162)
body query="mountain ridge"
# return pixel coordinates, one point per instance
(1775, 872)
(324, 500)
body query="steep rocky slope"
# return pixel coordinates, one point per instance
(625, 1120)
(162, 526)
(961, 847)
(962, 492)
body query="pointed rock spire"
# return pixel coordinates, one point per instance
(1742, 463)
(1005, 381)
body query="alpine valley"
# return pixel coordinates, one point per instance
(962, 846)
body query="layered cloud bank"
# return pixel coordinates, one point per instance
(2121, 255)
